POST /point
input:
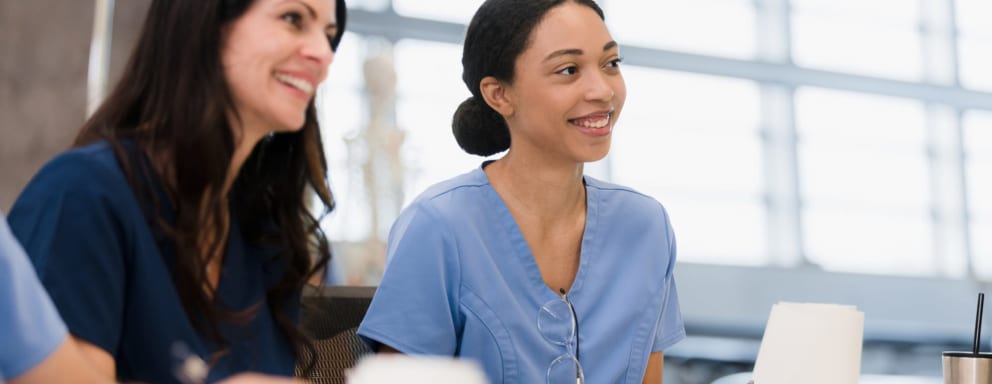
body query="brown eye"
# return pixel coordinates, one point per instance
(571, 70)
(293, 18)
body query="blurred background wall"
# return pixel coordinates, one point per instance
(45, 48)
(44, 57)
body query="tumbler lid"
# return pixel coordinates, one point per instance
(967, 354)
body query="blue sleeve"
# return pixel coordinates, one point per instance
(68, 222)
(30, 326)
(671, 327)
(415, 308)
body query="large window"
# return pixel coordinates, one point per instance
(975, 38)
(852, 135)
(717, 27)
(460, 11)
(429, 90)
(704, 166)
(863, 177)
(875, 38)
(343, 91)
(978, 142)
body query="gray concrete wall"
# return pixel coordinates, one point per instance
(44, 55)
(44, 48)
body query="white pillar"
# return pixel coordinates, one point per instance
(99, 65)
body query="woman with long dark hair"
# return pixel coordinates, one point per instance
(539, 273)
(180, 223)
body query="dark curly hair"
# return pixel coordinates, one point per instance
(498, 34)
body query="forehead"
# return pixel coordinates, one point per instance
(567, 26)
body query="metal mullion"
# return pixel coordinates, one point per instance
(783, 73)
(948, 207)
(778, 133)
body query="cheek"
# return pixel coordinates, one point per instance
(236, 63)
(620, 90)
(240, 83)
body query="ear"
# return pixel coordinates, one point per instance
(497, 96)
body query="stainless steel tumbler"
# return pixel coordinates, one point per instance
(967, 368)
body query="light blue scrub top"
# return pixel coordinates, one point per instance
(30, 326)
(461, 281)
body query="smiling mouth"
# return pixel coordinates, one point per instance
(596, 121)
(295, 82)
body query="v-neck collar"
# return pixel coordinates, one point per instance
(234, 250)
(521, 249)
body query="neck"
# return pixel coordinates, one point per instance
(550, 190)
(245, 139)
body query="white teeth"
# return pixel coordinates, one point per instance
(303, 85)
(594, 124)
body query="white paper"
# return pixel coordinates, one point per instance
(811, 344)
(408, 369)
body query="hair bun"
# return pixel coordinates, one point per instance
(478, 129)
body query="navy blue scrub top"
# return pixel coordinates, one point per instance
(110, 273)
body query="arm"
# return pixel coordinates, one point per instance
(670, 324)
(72, 226)
(385, 349)
(410, 313)
(256, 378)
(40, 348)
(77, 361)
(655, 364)
(101, 361)
(67, 364)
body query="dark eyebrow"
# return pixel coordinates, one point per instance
(577, 52)
(563, 52)
(313, 15)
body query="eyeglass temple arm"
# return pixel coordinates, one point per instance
(575, 319)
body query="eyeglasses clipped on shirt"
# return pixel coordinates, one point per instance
(558, 324)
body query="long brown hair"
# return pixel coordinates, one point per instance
(172, 104)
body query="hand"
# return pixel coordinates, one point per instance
(256, 378)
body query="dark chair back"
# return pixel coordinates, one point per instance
(330, 317)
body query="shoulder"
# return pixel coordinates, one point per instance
(458, 185)
(440, 215)
(34, 329)
(93, 169)
(625, 201)
(453, 197)
(77, 189)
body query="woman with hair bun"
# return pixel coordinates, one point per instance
(525, 265)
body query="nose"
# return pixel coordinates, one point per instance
(317, 48)
(599, 87)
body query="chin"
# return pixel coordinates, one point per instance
(593, 159)
(596, 153)
(290, 125)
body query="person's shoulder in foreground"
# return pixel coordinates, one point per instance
(36, 347)
(30, 326)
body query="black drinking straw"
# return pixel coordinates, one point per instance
(978, 322)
